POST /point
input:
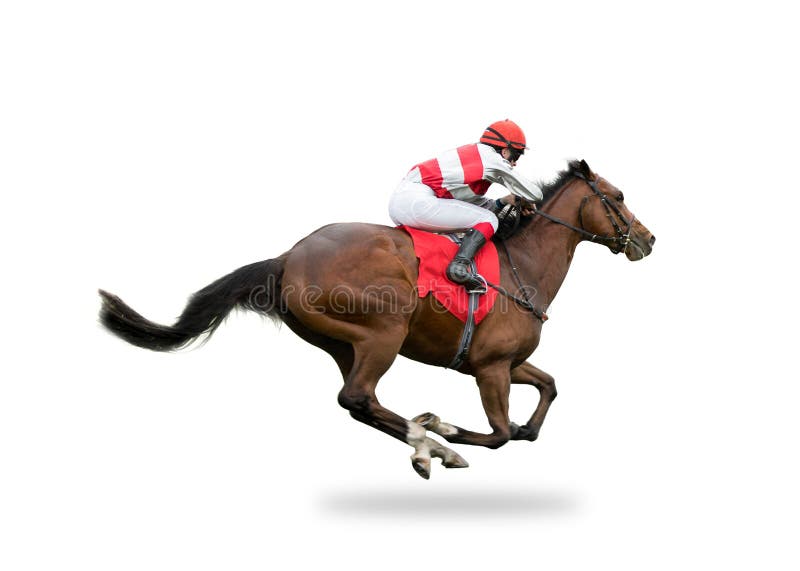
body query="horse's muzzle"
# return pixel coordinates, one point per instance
(640, 244)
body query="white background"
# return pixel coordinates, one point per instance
(148, 148)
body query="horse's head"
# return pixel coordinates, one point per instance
(602, 215)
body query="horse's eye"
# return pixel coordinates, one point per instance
(621, 197)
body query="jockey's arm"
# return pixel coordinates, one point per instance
(500, 172)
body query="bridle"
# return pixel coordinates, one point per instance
(616, 244)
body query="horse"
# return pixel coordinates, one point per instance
(350, 289)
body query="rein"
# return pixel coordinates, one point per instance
(524, 303)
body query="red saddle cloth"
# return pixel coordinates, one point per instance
(435, 252)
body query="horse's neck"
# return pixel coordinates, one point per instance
(543, 251)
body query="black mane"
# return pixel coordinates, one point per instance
(549, 189)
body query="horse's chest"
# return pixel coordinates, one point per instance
(516, 336)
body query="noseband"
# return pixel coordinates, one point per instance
(616, 244)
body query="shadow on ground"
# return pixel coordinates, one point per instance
(479, 502)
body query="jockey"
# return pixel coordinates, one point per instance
(445, 194)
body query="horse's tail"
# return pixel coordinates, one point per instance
(255, 287)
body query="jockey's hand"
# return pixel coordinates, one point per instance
(527, 207)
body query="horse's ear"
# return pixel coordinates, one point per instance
(585, 170)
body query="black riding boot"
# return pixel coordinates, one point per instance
(459, 270)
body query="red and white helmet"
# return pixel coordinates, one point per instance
(505, 134)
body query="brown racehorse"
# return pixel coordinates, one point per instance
(350, 289)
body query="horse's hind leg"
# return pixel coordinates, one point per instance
(527, 374)
(371, 359)
(341, 352)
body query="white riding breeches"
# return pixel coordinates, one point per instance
(415, 204)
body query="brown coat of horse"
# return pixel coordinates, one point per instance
(350, 289)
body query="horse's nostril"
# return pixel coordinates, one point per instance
(652, 241)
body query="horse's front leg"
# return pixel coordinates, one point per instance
(527, 374)
(494, 386)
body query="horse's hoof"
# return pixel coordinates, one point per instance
(428, 420)
(454, 461)
(514, 427)
(422, 466)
